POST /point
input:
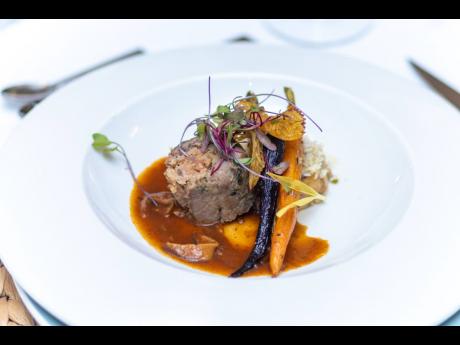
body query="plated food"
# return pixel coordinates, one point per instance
(226, 200)
(379, 219)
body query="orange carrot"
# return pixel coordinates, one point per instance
(285, 225)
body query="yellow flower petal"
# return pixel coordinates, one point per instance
(298, 203)
(296, 185)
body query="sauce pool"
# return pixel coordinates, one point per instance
(157, 229)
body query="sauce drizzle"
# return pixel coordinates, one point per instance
(157, 229)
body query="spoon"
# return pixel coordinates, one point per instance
(28, 95)
(23, 110)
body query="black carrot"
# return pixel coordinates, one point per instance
(269, 200)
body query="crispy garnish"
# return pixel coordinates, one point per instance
(289, 126)
(258, 162)
(246, 104)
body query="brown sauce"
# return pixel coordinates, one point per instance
(158, 229)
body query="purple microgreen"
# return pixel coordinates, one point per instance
(223, 127)
(190, 124)
(215, 141)
(249, 127)
(267, 97)
(217, 166)
(256, 121)
(224, 142)
(102, 144)
(209, 96)
(234, 100)
(285, 99)
(277, 114)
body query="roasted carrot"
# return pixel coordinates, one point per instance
(284, 226)
(269, 197)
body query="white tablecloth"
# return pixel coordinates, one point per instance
(46, 50)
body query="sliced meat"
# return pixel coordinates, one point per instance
(318, 184)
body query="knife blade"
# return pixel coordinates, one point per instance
(438, 85)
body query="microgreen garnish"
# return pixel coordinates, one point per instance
(289, 94)
(223, 109)
(102, 144)
(232, 129)
(217, 166)
(245, 161)
(280, 97)
(254, 99)
(235, 116)
(201, 130)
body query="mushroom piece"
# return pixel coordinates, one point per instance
(318, 184)
(202, 250)
(165, 202)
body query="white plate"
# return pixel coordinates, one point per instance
(396, 151)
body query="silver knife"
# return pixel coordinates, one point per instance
(437, 85)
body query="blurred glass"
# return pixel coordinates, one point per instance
(319, 32)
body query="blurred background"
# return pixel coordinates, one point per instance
(45, 51)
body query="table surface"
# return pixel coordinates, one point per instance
(46, 50)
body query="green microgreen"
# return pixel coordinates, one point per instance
(289, 94)
(228, 123)
(231, 128)
(201, 130)
(253, 98)
(223, 109)
(235, 116)
(245, 160)
(102, 143)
